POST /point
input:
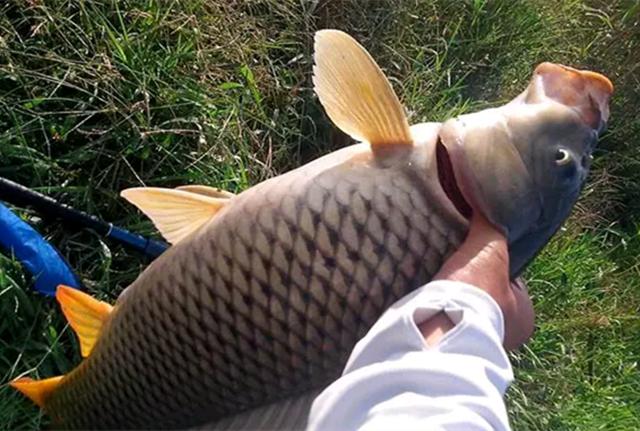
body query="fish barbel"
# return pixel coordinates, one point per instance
(263, 294)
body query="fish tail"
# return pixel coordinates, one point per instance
(86, 315)
(37, 391)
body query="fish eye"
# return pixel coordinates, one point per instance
(562, 157)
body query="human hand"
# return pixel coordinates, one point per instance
(483, 261)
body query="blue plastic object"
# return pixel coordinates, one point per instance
(41, 259)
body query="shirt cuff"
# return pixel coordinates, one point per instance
(394, 379)
(476, 316)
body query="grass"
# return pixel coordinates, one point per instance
(100, 95)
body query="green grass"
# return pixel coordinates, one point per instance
(100, 95)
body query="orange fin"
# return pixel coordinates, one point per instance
(36, 390)
(85, 314)
(213, 192)
(176, 213)
(356, 95)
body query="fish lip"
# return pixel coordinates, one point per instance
(449, 180)
(587, 92)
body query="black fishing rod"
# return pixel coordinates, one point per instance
(22, 196)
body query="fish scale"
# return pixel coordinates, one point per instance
(266, 301)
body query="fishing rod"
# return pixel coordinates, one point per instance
(20, 195)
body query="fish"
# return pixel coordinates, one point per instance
(263, 294)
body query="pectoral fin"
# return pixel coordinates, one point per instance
(85, 314)
(355, 93)
(176, 213)
(36, 390)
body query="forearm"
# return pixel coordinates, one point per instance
(434, 328)
(394, 378)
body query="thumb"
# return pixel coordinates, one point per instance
(482, 259)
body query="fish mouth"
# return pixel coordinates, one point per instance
(448, 181)
(585, 91)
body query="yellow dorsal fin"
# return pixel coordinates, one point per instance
(85, 314)
(207, 191)
(36, 390)
(355, 93)
(176, 213)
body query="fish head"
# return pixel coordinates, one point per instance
(523, 164)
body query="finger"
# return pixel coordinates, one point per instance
(520, 321)
(482, 257)
(519, 284)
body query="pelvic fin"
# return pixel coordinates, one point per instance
(175, 212)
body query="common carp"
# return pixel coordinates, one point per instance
(263, 294)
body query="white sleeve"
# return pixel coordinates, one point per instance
(394, 380)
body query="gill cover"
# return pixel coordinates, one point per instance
(523, 164)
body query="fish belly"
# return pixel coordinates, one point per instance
(265, 302)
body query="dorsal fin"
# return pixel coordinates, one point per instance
(36, 390)
(176, 213)
(85, 314)
(356, 95)
(207, 191)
